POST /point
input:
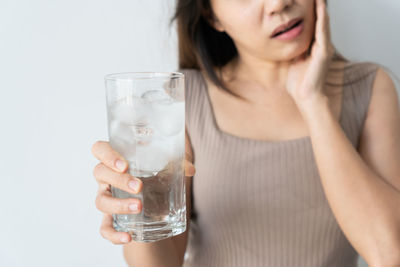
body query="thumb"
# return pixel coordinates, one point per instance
(189, 169)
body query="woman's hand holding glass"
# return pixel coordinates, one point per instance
(112, 171)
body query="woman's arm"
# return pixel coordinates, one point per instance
(160, 253)
(363, 189)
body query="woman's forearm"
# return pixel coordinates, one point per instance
(366, 208)
(155, 254)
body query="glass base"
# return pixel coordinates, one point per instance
(151, 232)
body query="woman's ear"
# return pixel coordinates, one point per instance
(217, 25)
(213, 21)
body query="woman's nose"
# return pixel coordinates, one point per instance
(273, 7)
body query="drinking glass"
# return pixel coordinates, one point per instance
(146, 125)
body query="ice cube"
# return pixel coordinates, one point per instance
(153, 156)
(168, 117)
(122, 139)
(166, 114)
(129, 110)
(143, 133)
(179, 144)
(127, 150)
(157, 95)
(121, 131)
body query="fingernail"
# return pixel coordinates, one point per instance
(120, 164)
(133, 207)
(124, 239)
(134, 185)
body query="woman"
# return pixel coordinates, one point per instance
(296, 149)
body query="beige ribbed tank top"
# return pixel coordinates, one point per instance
(261, 203)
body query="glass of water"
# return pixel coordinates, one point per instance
(146, 125)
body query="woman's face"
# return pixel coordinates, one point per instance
(250, 24)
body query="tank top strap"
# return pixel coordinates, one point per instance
(357, 91)
(197, 116)
(191, 95)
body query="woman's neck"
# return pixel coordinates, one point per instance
(243, 76)
(252, 79)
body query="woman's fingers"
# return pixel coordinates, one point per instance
(111, 158)
(320, 22)
(123, 181)
(110, 205)
(108, 232)
(323, 33)
(189, 169)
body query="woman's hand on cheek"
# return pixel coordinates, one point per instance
(307, 74)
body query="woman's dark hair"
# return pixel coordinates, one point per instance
(203, 47)
(200, 45)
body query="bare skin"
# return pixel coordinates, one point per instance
(269, 115)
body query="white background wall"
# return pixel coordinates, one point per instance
(53, 56)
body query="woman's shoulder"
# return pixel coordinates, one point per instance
(368, 78)
(359, 71)
(373, 78)
(365, 81)
(193, 83)
(193, 77)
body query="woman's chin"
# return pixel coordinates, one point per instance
(294, 53)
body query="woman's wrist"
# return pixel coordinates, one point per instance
(313, 107)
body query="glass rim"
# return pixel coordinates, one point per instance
(142, 75)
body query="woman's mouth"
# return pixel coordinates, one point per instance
(290, 33)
